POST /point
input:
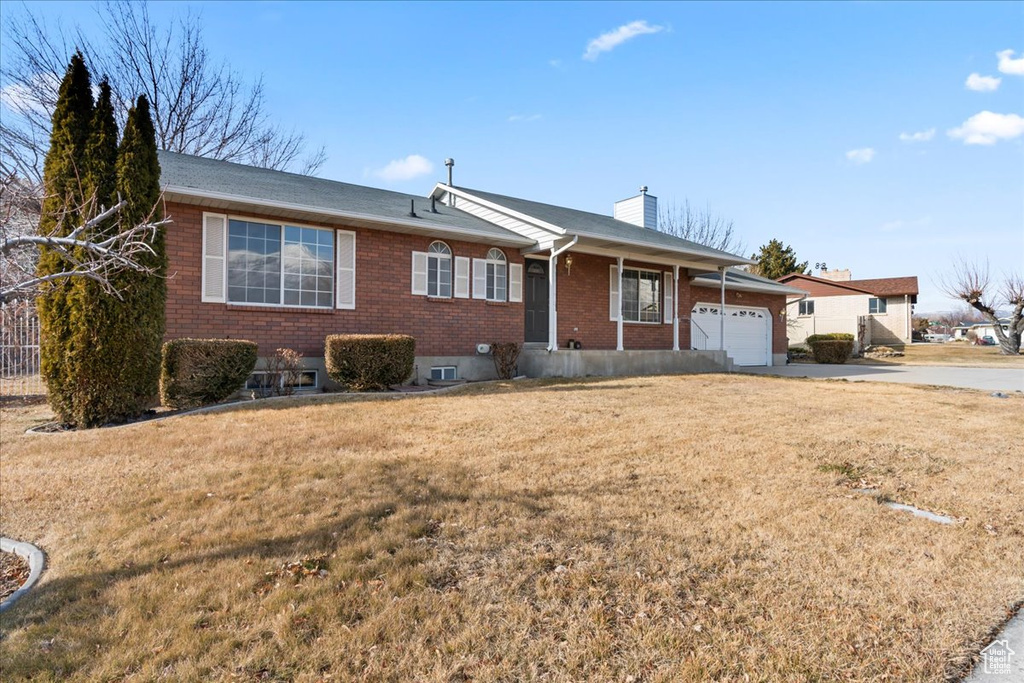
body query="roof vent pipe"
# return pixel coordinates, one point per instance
(450, 163)
(433, 204)
(412, 209)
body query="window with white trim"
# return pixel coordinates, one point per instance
(443, 372)
(641, 295)
(439, 270)
(806, 307)
(876, 306)
(280, 264)
(497, 275)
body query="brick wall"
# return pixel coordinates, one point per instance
(384, 303)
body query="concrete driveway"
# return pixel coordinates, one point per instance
(985, 379)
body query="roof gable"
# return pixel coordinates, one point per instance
(880, 287)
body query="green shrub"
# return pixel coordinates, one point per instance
(834, 336)
(197, 372)
(832, 350)
(369, 361)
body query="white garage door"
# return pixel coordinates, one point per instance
(747, 332)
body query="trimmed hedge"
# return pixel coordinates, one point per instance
(369, 361)
(197, 372)
(831, 350)
(834, 336)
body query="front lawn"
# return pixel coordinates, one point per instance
(950, 353)
(644, 529)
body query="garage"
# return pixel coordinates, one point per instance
(748, 337)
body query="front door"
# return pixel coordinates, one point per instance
(536, 300)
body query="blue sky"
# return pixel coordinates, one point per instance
(784, 117)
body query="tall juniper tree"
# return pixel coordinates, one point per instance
(63, 203)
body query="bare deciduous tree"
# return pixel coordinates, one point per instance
(701, 226)
(199, 107)
(971, 282)
(85, 254)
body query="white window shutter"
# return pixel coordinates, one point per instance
(479, 278)
(670, 310)
(345, 265)
(515, 282)
(461, 277)
(215, 227)
(613, 293)
(419, 273)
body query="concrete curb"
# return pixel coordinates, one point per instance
(36, 564)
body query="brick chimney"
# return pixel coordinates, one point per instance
(835, 275)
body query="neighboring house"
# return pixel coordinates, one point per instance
(285, 260)
(876, 311)
(987, 329)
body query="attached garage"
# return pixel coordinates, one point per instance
(748, 338)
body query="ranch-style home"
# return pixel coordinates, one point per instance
(876, 312)
(285, 260)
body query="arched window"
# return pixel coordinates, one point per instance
(439, 270)
(497, 276)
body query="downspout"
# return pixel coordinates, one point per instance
(618, 324)
(906, 309)
(675, 304)
(552, 295)
(721, 313)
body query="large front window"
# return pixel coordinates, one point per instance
(641, 296)
(280, 264)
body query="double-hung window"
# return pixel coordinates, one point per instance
(280, 264)
(876, 306)
(497, 275)
(641, 296)
(439, 270)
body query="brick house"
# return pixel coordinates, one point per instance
(876, 311)
(285, 260)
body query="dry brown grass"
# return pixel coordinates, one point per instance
(952, 353)
(645, 529)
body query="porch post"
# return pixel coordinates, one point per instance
(721, 313)
(552, 302)
(618, 345)
(675, 303)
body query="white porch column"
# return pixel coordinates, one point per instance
(618, 345)
(675, 303)
(721, 313)
(552, 302)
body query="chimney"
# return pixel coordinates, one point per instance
(640, 210)
(835, 275)
(450, 163)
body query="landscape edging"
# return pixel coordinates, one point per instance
(36, 564)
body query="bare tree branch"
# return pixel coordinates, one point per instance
(972, 283)
(701, 226)
(199, 107)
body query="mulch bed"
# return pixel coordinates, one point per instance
(13, 573)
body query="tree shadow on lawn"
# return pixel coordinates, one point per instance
(47, 621)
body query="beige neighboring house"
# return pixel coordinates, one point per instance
(876, 312)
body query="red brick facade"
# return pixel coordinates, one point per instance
(441, 327)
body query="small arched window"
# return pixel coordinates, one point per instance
(497, 276)
(439, 270)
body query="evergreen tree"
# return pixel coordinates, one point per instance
(138, 185)
(775, 260)
(62, 204)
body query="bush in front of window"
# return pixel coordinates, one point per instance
(368, 362)
(831, 348)
(198, 372)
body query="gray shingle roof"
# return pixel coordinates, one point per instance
(184, 172)
(587, 224)
(741, 278)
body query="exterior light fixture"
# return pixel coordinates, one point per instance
(568, 264)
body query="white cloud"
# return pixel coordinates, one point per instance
(606, 42)
(1009, 65)
(523, 118)
(23, 98)
(987, 128)
(920, 136)
(901, 224)
(408, 168)
(861, 156)
(979, 83)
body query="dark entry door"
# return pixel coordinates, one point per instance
(536, 300)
